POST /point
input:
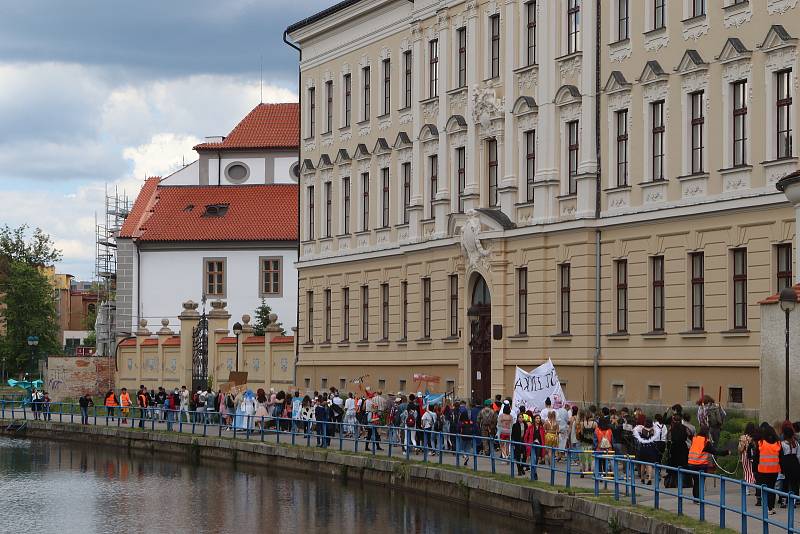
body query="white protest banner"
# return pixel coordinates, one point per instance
(531, 389)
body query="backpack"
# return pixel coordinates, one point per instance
(467, 427)
(411, 419)
(438, 425)
(714, 417)
(396, 417)
(337, 410)
(229, 402)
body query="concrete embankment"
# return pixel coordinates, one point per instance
(545, 509)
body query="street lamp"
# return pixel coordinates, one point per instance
(237, 330)
(33, 341)
(788, 299)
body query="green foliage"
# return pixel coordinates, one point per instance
(30, 311)
(262, 319)
(40, 251)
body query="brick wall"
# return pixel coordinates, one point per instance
(73, 376)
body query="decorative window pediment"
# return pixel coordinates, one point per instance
(342, 157)
(402, 141)
(361, 152)
(616, 83)
(733, 50)
(691, 62)
(567, 94)
(524, 105)
(777, 37)
(381, 147)
(428, 132)
(307, 167)
(652, 73)
(456, 123)
(324, 162)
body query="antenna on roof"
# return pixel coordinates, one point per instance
(262, 78)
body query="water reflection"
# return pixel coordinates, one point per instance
(62, 487)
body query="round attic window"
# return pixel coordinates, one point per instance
(294, 171)
(237, 172)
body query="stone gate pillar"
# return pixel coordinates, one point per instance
(189, 319)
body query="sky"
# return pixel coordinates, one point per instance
(99, 94)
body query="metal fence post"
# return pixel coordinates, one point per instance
(680, 491)
(721, 502)
(656, 484)
(701, 481)
(743, 512)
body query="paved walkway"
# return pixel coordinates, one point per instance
(644, 495)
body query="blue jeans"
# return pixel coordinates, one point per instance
(84, 415)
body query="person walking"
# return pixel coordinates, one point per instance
(85, 403)
(466, 430)
(646, 450)
(746, 453)
(487, 422)
(551, 431)
(769, 448)
(125, 405)
(110, 403)
(184, 407)
(504, 423)
(141, 402)
(789, 462)
(518, 432)
(700, 460)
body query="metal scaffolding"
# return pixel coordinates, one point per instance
(117, 209)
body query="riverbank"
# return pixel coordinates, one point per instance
(528, 501)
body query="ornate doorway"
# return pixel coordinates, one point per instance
(480, 314)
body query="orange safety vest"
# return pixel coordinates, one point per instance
(600, 434)
(768, 457)
(111, 401)
(697, 454)
(125, 399)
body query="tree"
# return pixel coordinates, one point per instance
(40, 251)
(30, 311)
(262, 319)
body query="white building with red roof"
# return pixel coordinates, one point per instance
(224, 227)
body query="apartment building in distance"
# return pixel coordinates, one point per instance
(488, 184)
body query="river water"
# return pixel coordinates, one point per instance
(48, 486)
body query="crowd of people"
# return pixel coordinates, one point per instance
(586, 437)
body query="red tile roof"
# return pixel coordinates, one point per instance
(130, 342)
(283, 339)
(177, 213)
(150, 342)
(141, 208)
(227, 341)
(267, 126)
(776, 298)
(254, 340)
(173, 341)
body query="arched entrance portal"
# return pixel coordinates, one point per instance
(480, 315)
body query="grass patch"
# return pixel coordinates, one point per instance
(684, 521)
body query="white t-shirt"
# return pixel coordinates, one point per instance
(350, 406)
(428, 420)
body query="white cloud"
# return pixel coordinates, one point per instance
(83, 131)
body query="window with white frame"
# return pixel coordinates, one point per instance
(364, 313)
(406, 191)
(364, 201)
(346, 205)
(433, 170)
(384, 311)
(572, 156)
(385, 197)
(310, 211)
(453, 278)
(530, 164)
(328, 106)
(494, 46)
(622, 147)
(659, 14)
(347, 83)
(739, 147)
(739, 288)
(657, 295)
(522, 301)
(698, 8)
(408, 70)
(461, 176)
(345, 314)
(461, 34)
(783, 109)
(433, 68)
(404, 308)
(573, 26)
(328, 315)
(309, 316)
(783, 257)
(698, 283)
(365, 92)
(328, 208)
(697, 124)
(387, 86)
(312, 111)
(564, 297)
(491, 149)
(623, 20)
(657, 139)
(530, 36)
(426, 308)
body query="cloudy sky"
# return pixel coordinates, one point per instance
(102, 93)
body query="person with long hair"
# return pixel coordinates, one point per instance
(504, 423)
(769, 448)
(646, 450)
(262, 409)
(551, 431)
(534, 437)
(745, 449)
(789, 462)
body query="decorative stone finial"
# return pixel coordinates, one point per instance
(273, 318)
(165, 322)
(143, 323)
(218, 304)
(190, 305)
(245, 319)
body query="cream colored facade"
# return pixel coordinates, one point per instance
(572, 222)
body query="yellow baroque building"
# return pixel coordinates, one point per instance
(488, 184)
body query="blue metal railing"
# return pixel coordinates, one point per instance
(610, 474)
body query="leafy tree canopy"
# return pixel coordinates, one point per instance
(39, 251)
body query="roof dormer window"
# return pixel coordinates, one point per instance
(215, 210)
